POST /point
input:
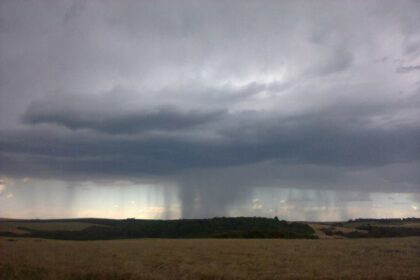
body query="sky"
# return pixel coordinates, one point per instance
(305, 110)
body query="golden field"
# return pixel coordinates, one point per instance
(28, 258)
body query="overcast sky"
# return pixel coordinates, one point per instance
(168, 109)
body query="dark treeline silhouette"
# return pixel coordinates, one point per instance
(240, 227)
(385, 221)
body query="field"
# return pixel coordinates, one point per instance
(29, 249)
(386, 258)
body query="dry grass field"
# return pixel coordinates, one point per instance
(393, 258)
(317, 228)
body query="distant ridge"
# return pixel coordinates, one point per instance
(218, 227)
(240, 227)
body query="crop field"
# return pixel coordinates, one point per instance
(385, 258)
(30, 249)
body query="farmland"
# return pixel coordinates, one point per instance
(30, 249)
(28, 258)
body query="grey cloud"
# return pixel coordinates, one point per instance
(407, 69)
(338, 135)
(235, 90)
(412, 48)
(340, 62)
(121, 111)
(238, 183)
(379, 60)
(164, 118)
(326, 138)
(416, 197)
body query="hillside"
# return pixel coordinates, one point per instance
(240, 227)
(102, 229)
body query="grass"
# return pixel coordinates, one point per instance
(387, 258)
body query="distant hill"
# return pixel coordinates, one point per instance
(240, 227)
(97, 229)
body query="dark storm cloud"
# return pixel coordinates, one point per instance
(164, 118)
(336, 137)
(284, 93)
